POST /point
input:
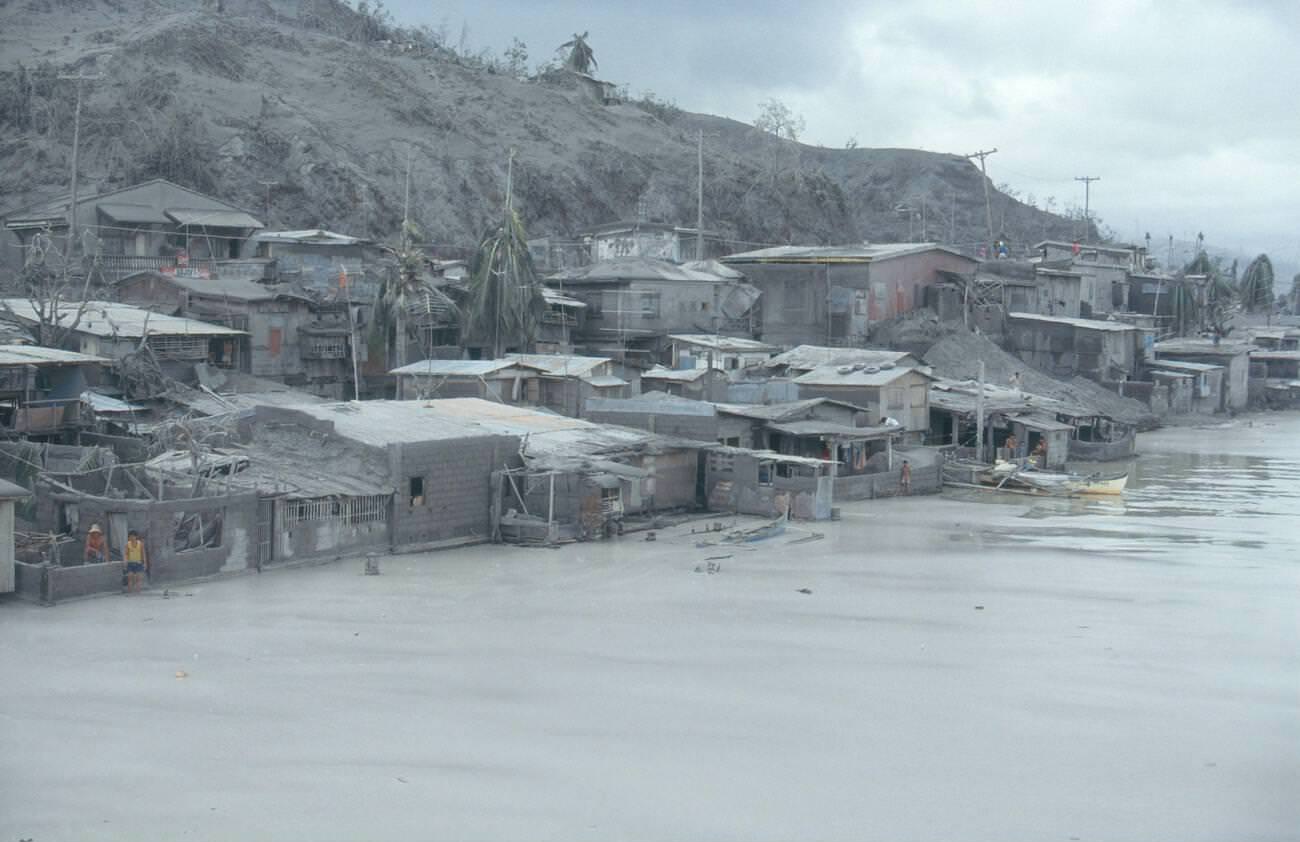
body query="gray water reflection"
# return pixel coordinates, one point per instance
(1187, 501)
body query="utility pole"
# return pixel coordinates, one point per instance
(1087, 197)
(699, 199)
(268, 185)
(504, 279)
(952, 218)
(76, 154)
(988, 204)
(979, 416)
(406, 201)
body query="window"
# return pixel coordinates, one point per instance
(649, 305)
(765, 473)
(349, 510)
(896, 395)
(196, 531)
(415, 492)
(179, 347)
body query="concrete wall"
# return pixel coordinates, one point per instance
(733, 485)
(926, 479)
(300, 540)
(1064, 349)
(914, 414)
(457, 487)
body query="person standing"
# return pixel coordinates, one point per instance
(905, 478)
(137, 561)
(96, 546)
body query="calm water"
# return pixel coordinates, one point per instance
(964, 667)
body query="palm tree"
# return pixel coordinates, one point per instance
(1256, 288)
(581, 58)
(1220, 294)
(401, 288)
(505, 298)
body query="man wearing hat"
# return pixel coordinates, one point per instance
(96, 546)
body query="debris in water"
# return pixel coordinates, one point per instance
(710, 568)
(403, 780)
(979, 607)
(181, 674)
(650, 536)
(716, 557)
(804, 590)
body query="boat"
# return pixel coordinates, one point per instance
(1016, 476)
(762, 532)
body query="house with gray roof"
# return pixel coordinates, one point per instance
(153, 225)
(831, 295)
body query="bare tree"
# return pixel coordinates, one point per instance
(57, 300)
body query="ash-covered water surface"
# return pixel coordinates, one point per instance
(970, 666)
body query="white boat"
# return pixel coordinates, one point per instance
(1013, 475)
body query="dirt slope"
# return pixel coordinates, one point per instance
(266, 92)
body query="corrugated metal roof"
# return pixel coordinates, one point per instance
(675, 375)
(560, 299)
(808, 357)
(605, 381)
(240, 290)
(1088, 324)
(776, 411)
(549, 440)
(122, 212)
(722, 343)
(813, 427)
(1184, 365)
(12, 491)
(653, 403)
(460, 368)
(562, 365)
(108, 318)
(39, 355)
(109, 405)
(853, 376)
(1205, 347)
(862, 253)
(636, 269)
(213, 218)
(309, 237)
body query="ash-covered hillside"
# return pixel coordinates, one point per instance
(330, 107)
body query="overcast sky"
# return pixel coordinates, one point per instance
(1189, 110)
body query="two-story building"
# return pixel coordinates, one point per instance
(831, 295)
(154, 225)
(634, 304)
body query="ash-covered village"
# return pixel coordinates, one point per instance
(254, 367)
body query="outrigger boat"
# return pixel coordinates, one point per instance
(1016, 476)
(763, 531)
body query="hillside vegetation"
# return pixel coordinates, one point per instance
(332, 106)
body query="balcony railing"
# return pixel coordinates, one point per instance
(115, 267)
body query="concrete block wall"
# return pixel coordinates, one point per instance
(695, 427)
(457, 487)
